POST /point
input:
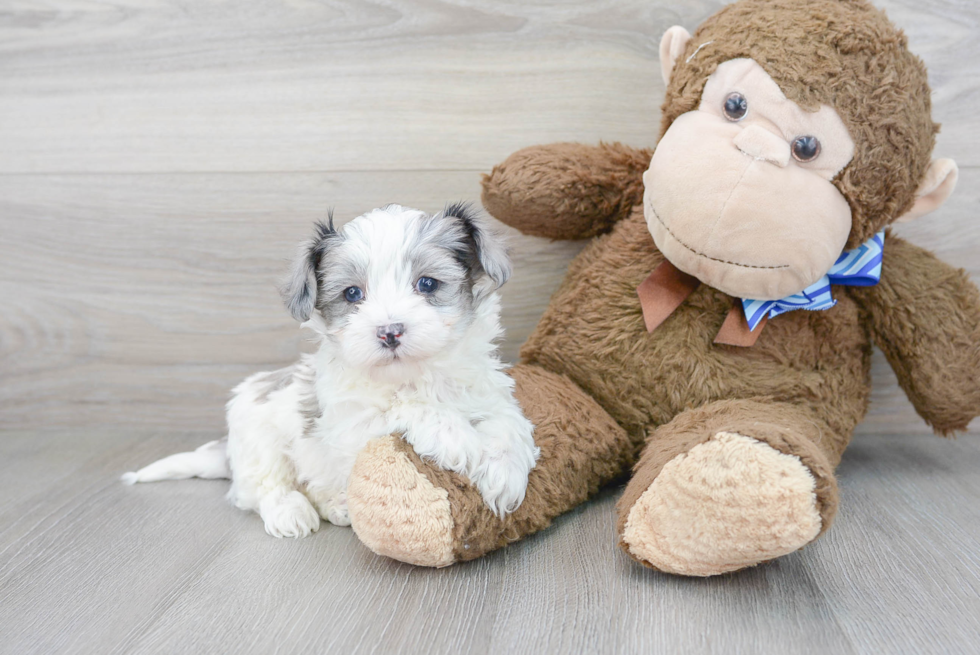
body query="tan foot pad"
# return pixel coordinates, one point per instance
(726, 504)
(395, 510)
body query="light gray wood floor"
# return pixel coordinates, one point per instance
(159, 161)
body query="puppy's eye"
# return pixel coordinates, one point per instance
(353, 294)
(806, 148)
(736, 107)
(427, 285)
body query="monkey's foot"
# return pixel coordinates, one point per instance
(395, 510)
(725, 504)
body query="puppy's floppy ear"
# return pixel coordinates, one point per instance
(300, 291)
(490, 256)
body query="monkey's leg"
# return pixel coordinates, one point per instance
(407, 509)
(729, 485)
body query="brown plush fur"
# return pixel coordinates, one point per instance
(925, 317)
(570, 191)
(582, 448)
(605, 394)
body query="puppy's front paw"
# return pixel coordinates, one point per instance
(288, 513)
(502, 479)
(335, 510)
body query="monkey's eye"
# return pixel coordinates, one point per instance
(736, 107)
(427, 285)
(806, 148)
(353, 294)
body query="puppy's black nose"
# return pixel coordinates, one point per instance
(390, 334)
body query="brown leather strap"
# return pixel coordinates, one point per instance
(662, 292)
(735, 330)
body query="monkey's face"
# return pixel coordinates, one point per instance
(739, 192)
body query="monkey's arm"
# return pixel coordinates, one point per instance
(566, 190)
(925, 317)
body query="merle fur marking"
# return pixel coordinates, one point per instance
(267, 383)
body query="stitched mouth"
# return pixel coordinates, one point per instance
(703, 255)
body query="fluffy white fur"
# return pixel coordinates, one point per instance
(293, 434)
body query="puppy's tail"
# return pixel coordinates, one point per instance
(209, 461)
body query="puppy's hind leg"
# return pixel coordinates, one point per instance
(264, 481)
(260, 432)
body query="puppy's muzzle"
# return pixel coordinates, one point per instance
(390, 335)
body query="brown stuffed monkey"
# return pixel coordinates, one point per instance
(716, 334)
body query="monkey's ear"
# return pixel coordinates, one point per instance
(671, 48)
(937, 186)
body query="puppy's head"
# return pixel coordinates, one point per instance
(396, 285)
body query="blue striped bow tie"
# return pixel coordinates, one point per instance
(860, 267)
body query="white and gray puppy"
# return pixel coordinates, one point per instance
(405, 309)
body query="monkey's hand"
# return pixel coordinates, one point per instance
(566, 190)
(925, 317)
